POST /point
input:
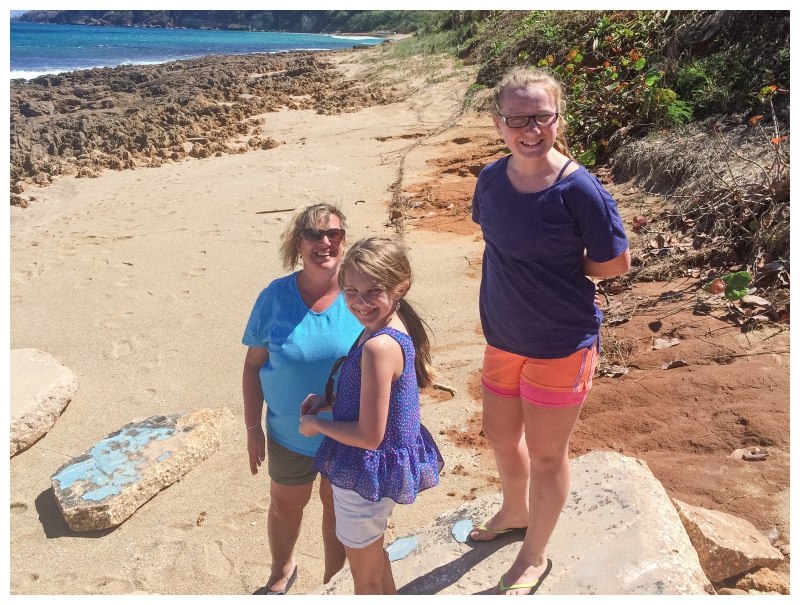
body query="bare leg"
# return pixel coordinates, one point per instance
(547, 433)
(286, 504)
(503, 424)
(334, 550)
(372, 572)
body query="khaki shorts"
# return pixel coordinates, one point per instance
(286, 467)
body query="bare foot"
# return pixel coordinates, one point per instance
(522, 574)
(500, 523)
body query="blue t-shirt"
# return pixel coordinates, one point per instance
(535, 300)
(303, 346)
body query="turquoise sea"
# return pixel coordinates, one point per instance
(40, 48)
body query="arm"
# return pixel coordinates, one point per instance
(381, 363)
(254, 404)
(616, 266)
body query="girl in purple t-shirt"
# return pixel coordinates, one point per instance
(549, 226)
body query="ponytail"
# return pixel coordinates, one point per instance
(418, 330)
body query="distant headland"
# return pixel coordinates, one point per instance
(301, 21)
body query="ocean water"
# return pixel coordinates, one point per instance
(46, 48)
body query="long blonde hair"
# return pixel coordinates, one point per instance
(310, 216)
(384, 259)
(523, 77)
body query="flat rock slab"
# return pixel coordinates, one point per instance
(618, 534)
(41, 387)
(726, 545)
(104, 486)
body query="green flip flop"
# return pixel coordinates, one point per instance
(534, 586)
(483, 527)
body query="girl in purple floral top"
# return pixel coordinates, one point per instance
(375, 453)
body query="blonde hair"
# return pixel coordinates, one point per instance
(523, 77)
(385, 260)
(311, 216)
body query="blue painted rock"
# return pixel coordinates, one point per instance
(41, 387)
(104, 486)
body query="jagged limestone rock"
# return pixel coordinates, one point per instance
(104, 486)
(41, 387)
(726, 545)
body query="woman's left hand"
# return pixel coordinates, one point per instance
(308, 425)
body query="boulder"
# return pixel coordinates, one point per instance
(18, 200)
(34, 109)
(618, 534)
(763, 580)
(726, 545)
(41, 387)
(104, 486)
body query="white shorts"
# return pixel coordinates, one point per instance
(360, 522)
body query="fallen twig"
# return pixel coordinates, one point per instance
(274, 211)
(444, 387)
(646, 375)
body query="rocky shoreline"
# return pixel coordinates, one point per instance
(82, 122)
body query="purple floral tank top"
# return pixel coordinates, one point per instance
(407, 461)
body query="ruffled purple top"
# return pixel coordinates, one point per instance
(407, 461)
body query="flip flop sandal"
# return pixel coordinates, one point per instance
(292, 578)
(534, 586)
(496, 532)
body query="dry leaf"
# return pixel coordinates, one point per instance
(662, 343)
(717, 286)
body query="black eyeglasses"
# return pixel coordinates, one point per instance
(542, 119)
(314, 235)
(329, 385)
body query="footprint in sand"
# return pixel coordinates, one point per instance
(18, 508)
(216, 563)
(82, 283)
(124, 347)
(192, 319)
(180, 296)
(200, 254)
(124, 282)
(19, 277)
(111, 322)
(197, 272)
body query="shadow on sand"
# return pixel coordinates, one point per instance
(53, 521)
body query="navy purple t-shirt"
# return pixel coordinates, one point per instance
(535, 300)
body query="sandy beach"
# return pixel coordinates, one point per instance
(141, 282)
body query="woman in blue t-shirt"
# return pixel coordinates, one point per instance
(297, 330)
(548, 226)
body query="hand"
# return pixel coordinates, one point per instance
(256, 442)
(598, 301)
(308, 425)
(313, 404)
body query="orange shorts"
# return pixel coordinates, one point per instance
(544, 382)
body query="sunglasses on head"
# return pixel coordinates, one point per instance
(314, 235)
(329, 384)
